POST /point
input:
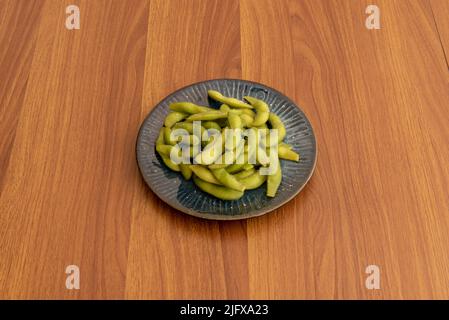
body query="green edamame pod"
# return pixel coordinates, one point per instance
(217, 191)
(207, 116)
(287, 154)
(164, 149)
(286, 145)
(188, 107)
(188, 126)
(227, 179)
(232, 102)
(211, 125)
(262, 110)
(160, 137)
(253, 181)
(247, 120)
(276, 123)
(217, 166)
(224, 108)
(244, 174)
(273, 181)
(233, 168)
(248, 112)
(169, 163)
(235, 122)
(234, 111)
(167, 149)
(204, 173)
(167, 138)
(174, 117)
(185, 171)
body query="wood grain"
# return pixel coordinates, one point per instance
(203, 252)
(440, 11)
(66, 198)
(71, 104)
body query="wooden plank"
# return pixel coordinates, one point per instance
(267, 57)
(173, 255)
(440, 10)
(377, 100)
(18, 42)
(66, 196)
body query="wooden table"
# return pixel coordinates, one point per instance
(72, 101)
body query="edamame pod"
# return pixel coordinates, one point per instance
(233, 168)
(164, 149)
(262, 110)
(247, 120)
(235, 122)
(204, 173)
(234, 111)
(244, 174)
(273, 181)
(286, 145)
(217, 191)
(188, 126)
(211, 125)
(276, 123)
(232, 102)
(285, 153)
(227, 179)
(185, 171)
(169, 163)
(167, 136)
(160, 137)
(174, 117)
(217, 166)
(248, 112)
(188, 107)
(224, 108)
(207, 116)
(253, 181)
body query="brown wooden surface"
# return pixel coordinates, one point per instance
(71, 103)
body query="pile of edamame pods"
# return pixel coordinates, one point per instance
(227, 150)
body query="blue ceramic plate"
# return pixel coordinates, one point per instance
(185, 196)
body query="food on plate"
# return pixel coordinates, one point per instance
(226, 151)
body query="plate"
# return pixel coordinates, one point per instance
(185, 196)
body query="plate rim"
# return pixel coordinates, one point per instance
(221, 217)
